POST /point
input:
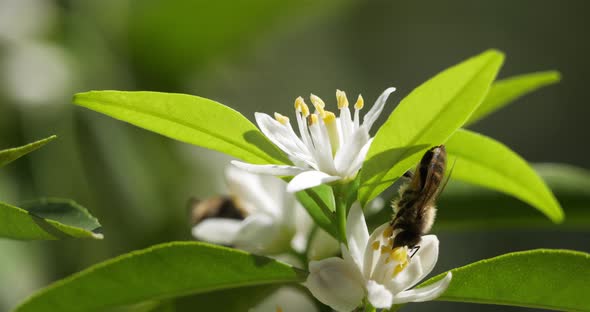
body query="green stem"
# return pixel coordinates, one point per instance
(341, 207)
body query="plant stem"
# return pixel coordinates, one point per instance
(341, 207)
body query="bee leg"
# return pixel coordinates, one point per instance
(414, 250)
(408, 175)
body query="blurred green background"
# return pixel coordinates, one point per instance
(254, 56)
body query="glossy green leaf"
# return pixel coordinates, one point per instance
(48, 219)
(228, 300)
(189, 119)
(158, 273)
(468, 207)
(426, 117)
(483, 161)
(319, 203)
(12, 154)
(542, 278)
(507, 90)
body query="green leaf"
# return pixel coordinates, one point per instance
(468, 207)
(12, 154)
(465, 206)
(158, 273)
(542, 278)
(319, 203)
(426, 117)
(507, 90)
(483, 161)
(228, 300)
(189, 119)
(48, 219)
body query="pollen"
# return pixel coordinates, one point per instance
(399, 254)
(301, 107)
(398, 268)
(318, 104)
(312, 119)
(388, 232)
(329, 117)
(342, 99)
(282, 119)
(360, 102)
(375, 245)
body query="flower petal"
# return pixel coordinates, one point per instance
(357, 234)
(217, 230)
(358, 161)
(309, 179)
(378, 295)
(370, 260)
(332, 283)
(287, 299)
(349, 151)
(429, 292)
(375, 111)
(262, 234)
(256, 193)
(276, 170)
(428, 255)
(283, 137)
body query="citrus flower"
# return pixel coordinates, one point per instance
(370, 268)
(275, 221)
(327, 148)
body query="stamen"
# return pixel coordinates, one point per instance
(388, 232)
(398, 268)
(386, 249)
(360, 102)
(301, 107)
(282, 119)
(399, 254)
(312, 119)
(318, 104)
(375, 245)
(342, 99)
(330, 122)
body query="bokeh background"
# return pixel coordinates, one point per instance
(255, 56)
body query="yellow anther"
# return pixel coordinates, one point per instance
(359, 102)
(282, 119)
(301, 107)
(312, 119)
(400, 254)
(375, 245)
(328, 117)
(385, 249)
(342, 99)
(388, 232)
(318, 104)
(398, 268)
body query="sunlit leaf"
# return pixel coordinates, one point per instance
(426, 117)
(189, 119)
(319, 203)
(158, 273)
(11, 154)
(543, 279)
(483, 161)
(507, 90)
(48, 219)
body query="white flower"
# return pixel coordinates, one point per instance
(286, 299)
(275, 221)
(327, 148)
(370, 268)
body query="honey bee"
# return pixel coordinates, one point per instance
(214, 207)
(415, 209)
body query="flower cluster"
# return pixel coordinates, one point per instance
(327, 149)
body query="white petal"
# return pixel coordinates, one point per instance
(378, 295)
(288, 299)
(375, 111)
(309, 179)
(322, 245)
(332, 283)
(262, 234)
(323, 150)
(370, 260)
(276, 170)
(408, 277)
(357, 234)
(217, 230)
(256, 193)
(283, 137)
(428, 255)
(357, 163)
(349, 151)
(425, 293)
